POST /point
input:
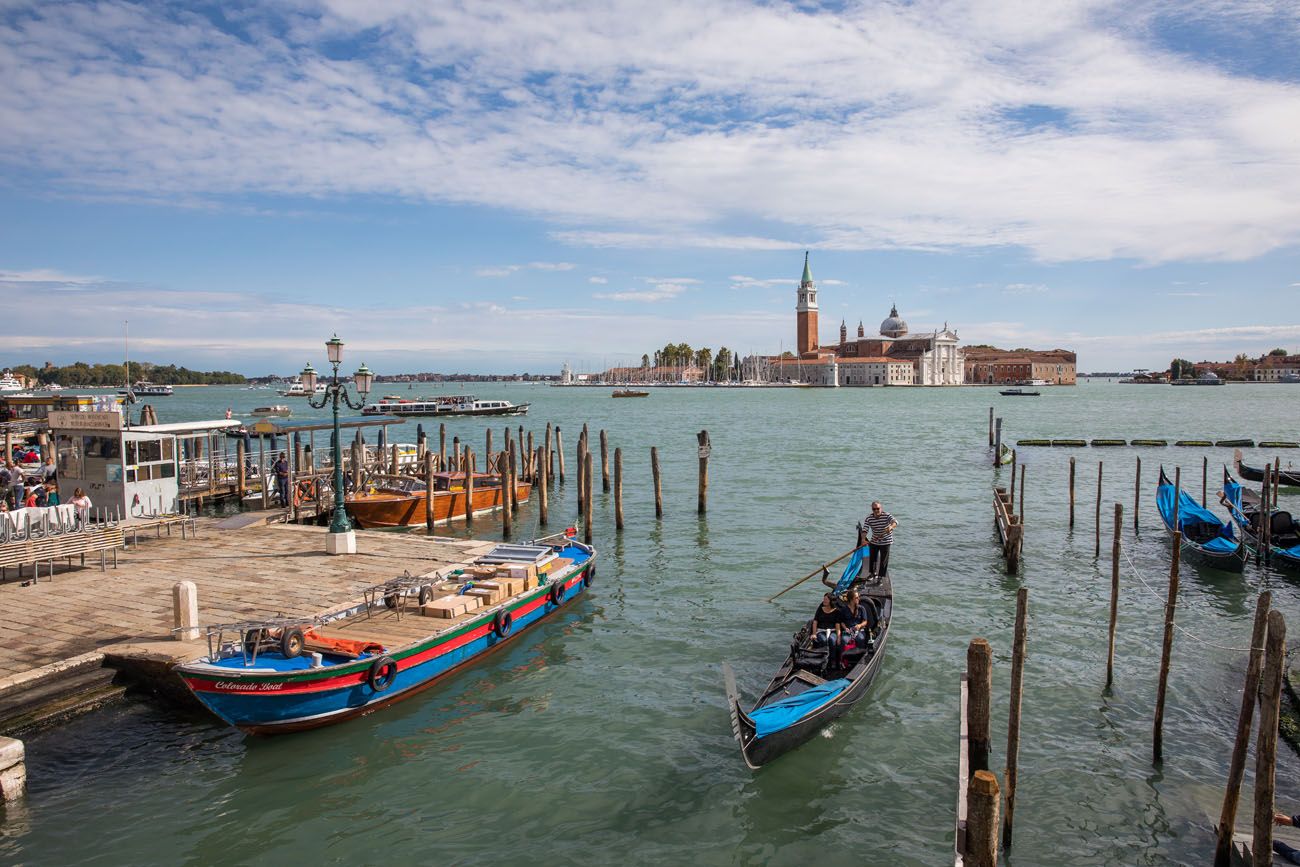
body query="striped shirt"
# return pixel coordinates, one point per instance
(878, 523)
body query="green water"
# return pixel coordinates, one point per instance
(602, 736)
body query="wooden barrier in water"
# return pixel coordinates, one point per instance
(1010, 530)
(586, 490)
(1072, 493)
(1097, 516)
(543, 506)
(559, 450)
(1137, 492)
(979, 670)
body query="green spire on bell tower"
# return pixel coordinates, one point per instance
(807, 271)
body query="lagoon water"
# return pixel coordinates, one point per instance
(603, 735)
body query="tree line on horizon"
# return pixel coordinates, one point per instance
(724, 365)
(1181, 368)
(100, 375)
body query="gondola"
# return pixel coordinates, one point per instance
(1284, 533)
(807, 693)
(1290, 478)
(1204, 535)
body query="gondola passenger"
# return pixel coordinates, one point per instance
(859, 620)
(828, 626)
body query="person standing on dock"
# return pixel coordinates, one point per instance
(881, 524)
(16, 484)
(281, 470)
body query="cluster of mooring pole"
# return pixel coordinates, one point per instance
(984, 826)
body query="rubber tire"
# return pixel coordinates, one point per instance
(375, 678)
(589, 576)
(503, 623)
(557, 593)
(291, 644)
(390, 601)
(426, 593)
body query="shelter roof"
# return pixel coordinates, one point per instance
(278, 426)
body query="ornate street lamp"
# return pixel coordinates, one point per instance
(341, 539)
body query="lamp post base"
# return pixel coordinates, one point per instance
(341, 543)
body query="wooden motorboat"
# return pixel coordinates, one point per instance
(1284, 532)
(1204, 534)
(451, 405)
(1018, 392)
(628, 392)
(279, 676)
(279, 410)
(808, 691)
(1288, 477)
(399, 501)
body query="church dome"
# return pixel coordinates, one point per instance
(894, 326)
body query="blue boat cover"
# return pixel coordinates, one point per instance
(1192, 514)
(788, 711)
(851, 570)
(1232, 493)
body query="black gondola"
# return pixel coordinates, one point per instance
(1203, 532)
(1290, 478)
(1284, 533)
(806, 693)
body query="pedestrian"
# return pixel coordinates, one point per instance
(281, 470)
(82, 502)
(42, 495)
(51, 493)
(16, 484)
(1286, 850)
(49, 472)
(30, 501)
(880, 525)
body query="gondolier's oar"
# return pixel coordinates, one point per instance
(812, 573)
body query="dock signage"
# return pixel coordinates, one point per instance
(62, 420)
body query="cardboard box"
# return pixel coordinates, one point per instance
(487, 595)
(507, 587)
(524, 572)
(558, 565)
(446, 607)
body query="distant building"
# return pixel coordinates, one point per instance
(987, 365)
(1272, 368)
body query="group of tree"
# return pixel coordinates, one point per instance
(86, 375)
(722, 366)
(1181, 368)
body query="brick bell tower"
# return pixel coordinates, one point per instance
(806, 312)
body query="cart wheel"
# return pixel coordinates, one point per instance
(390, 601)
(291, 644)
(426, 593)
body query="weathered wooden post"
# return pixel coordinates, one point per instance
(618, 489)
(997, 444)
(241, 477)
(604, 461)
(1205, 478)
(1237, 766)
(394, 464)
(1015, 459)
(582, 468)
(1277, 478)
(442, 444)
(705, 449)
(979, 668)
(1167, 646)
(546, 460)
(487, 449)
(1097, 517)
(503, 474)
(530, 460)
(559, 451)
(469, 487)
(586, 485)
(421, 446)
(1137, 492)
(1020, 504)
(1072, 493)
(455, 454)
(982, 820)
(991, 431)
(543, 507)
(1114, 596)
(1270, 703)
(659, 491)
(1266, 504)
(515, 463)
(428, 493)
(1013, 715)
(358, 451)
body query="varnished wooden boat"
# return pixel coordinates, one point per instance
(628, 392)
(399, 501)
(804, 695)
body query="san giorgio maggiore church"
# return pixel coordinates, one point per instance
(895, 357)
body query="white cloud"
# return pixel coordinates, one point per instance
(507, 270)
(45, 277)
(599, 281)
(662, 289)
(1024, 289)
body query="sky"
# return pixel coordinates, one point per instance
(506, 186)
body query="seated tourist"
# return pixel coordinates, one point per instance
(827, 623)
(859, 620)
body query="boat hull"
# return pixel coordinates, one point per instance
(1233, 560)
(371, 511)
(265, 703)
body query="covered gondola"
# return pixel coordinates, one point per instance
(1284, 533)
(1204, 534)
(1288, 477)
(811, 689)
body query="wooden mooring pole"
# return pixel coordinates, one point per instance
(979, 668)
(542, 505)
(705, 448)
(559, 451)
(997, 445)
(428, 493)
(503, 473)
(1167, 645)
(604, 461)
(659, 491)
(442, 446)
(991, 430)
(1205, 478)
(1114, 596)
(546, 456)
(1071, 493)
(1013, 715)
(1014, 461)
(241, 478)
(1097, 517)
(1266, 504)
(1245, 717)
(1020, 503)
(982, 801)
(1270, 703)
(514, 476)
(455, 453)
(1137, 492)
(582, 470)
(618, 489)
(586, 485)
(469, 486)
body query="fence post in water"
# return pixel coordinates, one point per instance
(530, 460)
(997, 445)
(982, 820)
(991, 429)
(428, 492)
(542, 505)
(979, 668)
(503, 475)
(241, 480)
(1114, 595)
(1015, 461)
(1020, 504)
(618, 489)
(514, 476)
(1270, 702)
(582, 467)
(1237, 766)
(604, 461)
(705, 448)
(1097, 516)
(442, 445)
(1166, 650)
(1205, 477)
(1137, 492)
(659, 491)
(1013, 716)
(586, 485)
(469, 487)
(559, 450)
(1071, 493)
(546, 455)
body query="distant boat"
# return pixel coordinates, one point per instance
(145, 388)
(399, 501)
(452, 405)
(279, 411)
(1287, 477)
(1207, 378)
(9, 382)
(1018, 392)
(296, 389)
(627, 392)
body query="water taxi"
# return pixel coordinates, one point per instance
(296, 389)
(279, 410)
(145, 388)
(461, 404)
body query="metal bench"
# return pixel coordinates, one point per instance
(63, 547)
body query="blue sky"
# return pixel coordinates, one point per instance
(506, 186)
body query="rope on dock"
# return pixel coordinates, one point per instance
(1191, 635)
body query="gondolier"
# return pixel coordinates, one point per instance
(880, 526)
